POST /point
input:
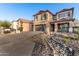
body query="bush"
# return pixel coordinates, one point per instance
(76, 30)
(66, 38)
(5, 24)
(77, 37)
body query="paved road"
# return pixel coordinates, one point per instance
(17, 44)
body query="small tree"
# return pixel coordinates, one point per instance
(21, 29)
(5, 24)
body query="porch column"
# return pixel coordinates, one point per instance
(70, 26)
(48, 28)
(56, 27)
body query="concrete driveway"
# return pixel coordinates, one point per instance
(17, 44)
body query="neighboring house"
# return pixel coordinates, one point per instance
(25, 24)
(14, 25)
(76, 23)
(76, 26)
(46, 21)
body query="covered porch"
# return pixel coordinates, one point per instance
(61, 27)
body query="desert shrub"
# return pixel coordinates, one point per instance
(77, 37)
(76, 30)
(66, 38)
(20, 28)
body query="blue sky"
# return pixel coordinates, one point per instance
(13, 11)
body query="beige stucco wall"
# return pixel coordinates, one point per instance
(44, 22)
(39, 21)
(26, 26)
(14, 25)
(50, 17)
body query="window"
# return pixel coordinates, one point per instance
(44, 17)
(36, 17)
(65, 14)
(63, 27)
(69, 14)
(40, 27)
(55, 17)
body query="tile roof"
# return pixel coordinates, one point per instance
(65, 10)
(42, 11)
(24, 20)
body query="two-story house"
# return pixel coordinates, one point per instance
(62, 21)
(42, 21)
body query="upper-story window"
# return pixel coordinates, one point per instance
(36, 18)
(55, 17)
(44, 16)
(65, 14)
(69, 14)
